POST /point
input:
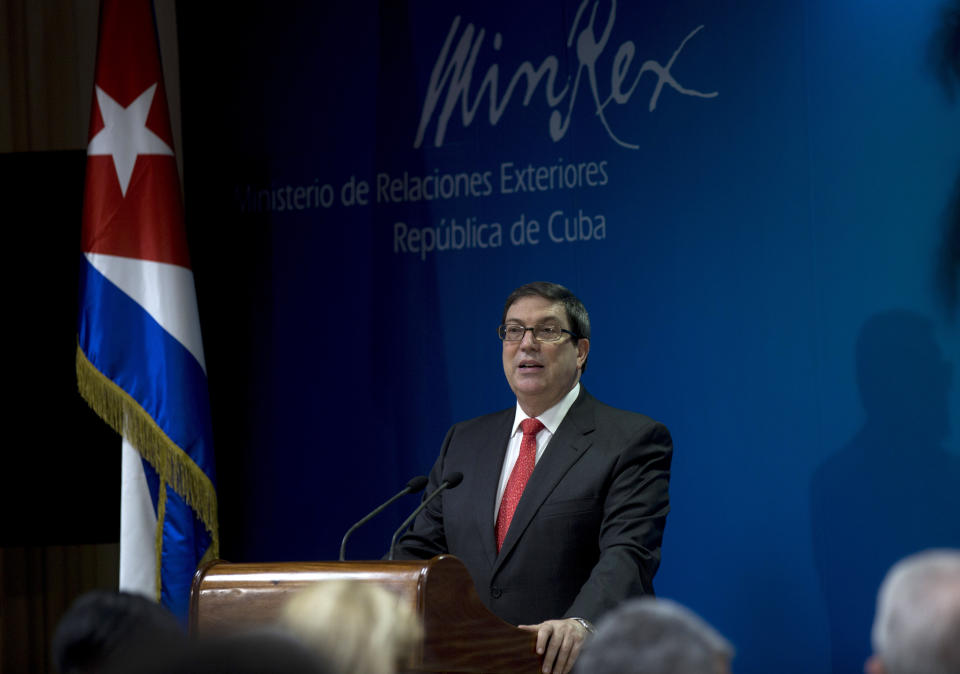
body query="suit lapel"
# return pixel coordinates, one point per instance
(566, 447)
(489, 464)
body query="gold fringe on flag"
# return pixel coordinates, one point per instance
(173, 465)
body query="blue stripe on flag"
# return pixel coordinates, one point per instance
(185, 540)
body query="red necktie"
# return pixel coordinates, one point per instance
(518, 478)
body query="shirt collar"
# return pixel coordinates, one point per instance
(552, 418)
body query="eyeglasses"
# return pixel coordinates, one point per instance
(514, 332)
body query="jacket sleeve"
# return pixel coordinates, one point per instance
(634, 515)
(426, 537)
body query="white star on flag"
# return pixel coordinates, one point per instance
(125, 135)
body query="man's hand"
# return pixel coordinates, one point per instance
(559, 642)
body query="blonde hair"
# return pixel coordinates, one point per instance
(360, 627)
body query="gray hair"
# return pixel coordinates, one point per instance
(654, 636)
(917, 626)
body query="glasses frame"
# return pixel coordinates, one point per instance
(502, 333)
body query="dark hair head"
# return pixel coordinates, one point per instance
(103, 627)
(576, 312)
(251, 651)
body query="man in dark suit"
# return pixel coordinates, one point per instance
(553, 548)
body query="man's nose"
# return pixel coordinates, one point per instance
(529, 341)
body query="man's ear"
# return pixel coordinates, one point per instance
(874, 665)
(583, 348)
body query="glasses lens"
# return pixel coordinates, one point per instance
(547, 333)
(511, 333)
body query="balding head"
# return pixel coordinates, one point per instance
(655, 636)
(917, 626)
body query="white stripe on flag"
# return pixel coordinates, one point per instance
(165, 291)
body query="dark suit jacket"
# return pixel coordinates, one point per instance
(587, 531)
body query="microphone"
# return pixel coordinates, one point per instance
(413, 486)
(449, 482)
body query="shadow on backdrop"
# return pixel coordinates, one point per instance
(948, 264)
(892, 489)
(945, 59)
(945, 49)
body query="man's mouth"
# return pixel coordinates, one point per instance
(527, 365)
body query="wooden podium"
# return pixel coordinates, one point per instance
(460, 633)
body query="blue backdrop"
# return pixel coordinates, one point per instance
(758, 203)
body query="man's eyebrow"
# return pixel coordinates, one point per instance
(545, 321)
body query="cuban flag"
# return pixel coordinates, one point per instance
(140, 361)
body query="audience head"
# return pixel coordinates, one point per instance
(654, 636)
(917, 626)
(360, 627)
(103, 629)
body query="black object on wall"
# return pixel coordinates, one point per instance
(60, 476)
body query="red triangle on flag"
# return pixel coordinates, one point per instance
(132, 205)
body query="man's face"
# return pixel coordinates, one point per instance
(540, 374)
